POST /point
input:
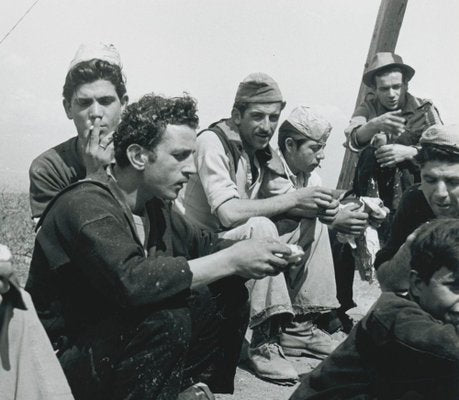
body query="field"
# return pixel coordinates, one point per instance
(17, 232)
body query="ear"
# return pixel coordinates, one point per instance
(124, 101)
(290, 144)
(416, 284)
(68, 108)
(236, 116)
(137, 156)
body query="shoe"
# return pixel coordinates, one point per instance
(346, 321)
(268, 362)
(312, 342)
(199, 391)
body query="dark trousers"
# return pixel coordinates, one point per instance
(154, 355)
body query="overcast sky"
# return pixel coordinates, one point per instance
(315, 49)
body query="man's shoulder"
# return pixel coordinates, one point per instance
(57, 158)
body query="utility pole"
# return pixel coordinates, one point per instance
(385, 36)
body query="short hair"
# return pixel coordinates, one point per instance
(91, 71)
(145, 121)
(436, 245)
(285, 133)
(386, 70)
(430, 152)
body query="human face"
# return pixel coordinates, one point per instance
(440, 185)
(390, 90)
(95, 100)
(172, 162)
(257, 124)
(440, 297)
(304, 157)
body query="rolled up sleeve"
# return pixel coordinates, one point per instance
(213, 167)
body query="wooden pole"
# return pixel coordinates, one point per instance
(385, 36)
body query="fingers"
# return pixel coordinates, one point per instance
(93, 136)
(106, 140)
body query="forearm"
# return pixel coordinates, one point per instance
(365, 133)
(236, 211)
(211, 268)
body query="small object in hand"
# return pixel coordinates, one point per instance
(296, 255)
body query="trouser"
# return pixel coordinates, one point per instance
(154, 355)
(29, 369)
(302, 289)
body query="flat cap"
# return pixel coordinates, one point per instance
(98, 50)
(444, 136)
(258, 88)
(307, 123)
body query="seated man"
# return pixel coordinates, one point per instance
(391, 120)
(233, 159)
(404, 348)
(436, 197)
(121, 283)
(94, 98)
(29, 369)
(302, 139)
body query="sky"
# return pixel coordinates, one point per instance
(315, 50)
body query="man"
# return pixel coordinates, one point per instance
(94, 97)
(406, 347)
(29, 369)
(385, 129)
(436, 197)
(233, 158)
(302, 139)
(120, 282)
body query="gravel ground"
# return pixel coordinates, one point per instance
(249, 387)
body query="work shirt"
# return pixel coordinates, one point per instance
(213, 183)
(418, 113)
(52, 171)
(89, 263)
(395, 349)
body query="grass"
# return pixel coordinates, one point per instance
(17, 230)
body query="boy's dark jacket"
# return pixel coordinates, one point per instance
(397, 348)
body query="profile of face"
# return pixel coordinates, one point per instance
(169, 166)
(303, 156)
(439, 297)
(391, 90)
(257, 124)
(95, 100)
(440, 185)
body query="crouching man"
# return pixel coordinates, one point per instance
(404, 348)
(130, 296)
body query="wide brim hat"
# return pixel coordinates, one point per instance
(386, 60)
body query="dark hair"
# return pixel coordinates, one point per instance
(145, 121)
(386, 70)
(436, 245)
(91, 71)
(287, 130)
(430, 152)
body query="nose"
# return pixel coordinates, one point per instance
(441, 191)
(190, 167)
(95, 111)
(392, 93)
(321, 154)
(265, 124)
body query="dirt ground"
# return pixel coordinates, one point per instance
(249, 387)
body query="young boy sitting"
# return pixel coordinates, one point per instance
(404, 348)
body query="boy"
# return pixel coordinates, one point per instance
(404, 347)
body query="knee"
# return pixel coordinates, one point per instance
(261, 227)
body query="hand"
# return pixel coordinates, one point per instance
(391, 154)
(257, 258)
(376, 219)
(6, 269)
(97, 149)
(328, 215)
(390, 122)
(314, 199)
(351, 221)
